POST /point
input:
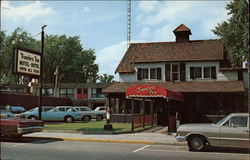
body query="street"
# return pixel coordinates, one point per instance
(52, 149)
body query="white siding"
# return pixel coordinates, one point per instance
(228, 75)
(132, 77)
(245, 79)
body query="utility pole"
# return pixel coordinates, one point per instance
(56, 81)
(41, 75)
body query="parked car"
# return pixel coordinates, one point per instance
(17, 109)
(88, 114)
(11, 126)
(50, 113)
(101, 109)
(231, 131)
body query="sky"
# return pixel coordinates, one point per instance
(102, 25)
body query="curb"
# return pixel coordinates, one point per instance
(106, 140)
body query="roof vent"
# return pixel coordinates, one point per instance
(182, 33)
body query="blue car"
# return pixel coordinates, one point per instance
(50, 113)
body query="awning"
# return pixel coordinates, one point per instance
(150, 91)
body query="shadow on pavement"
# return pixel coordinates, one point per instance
(33, 140)
(228, 150)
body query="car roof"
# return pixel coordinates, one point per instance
(239, 114)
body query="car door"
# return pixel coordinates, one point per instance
(235, 132)
(45, 115)
(52, 115)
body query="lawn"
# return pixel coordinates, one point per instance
(90, 127)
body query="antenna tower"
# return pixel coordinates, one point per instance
(129, 24)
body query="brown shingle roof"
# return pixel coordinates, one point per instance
(183, 87)
(202, 50)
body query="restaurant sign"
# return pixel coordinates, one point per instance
(26, 62)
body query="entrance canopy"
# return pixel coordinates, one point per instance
(150, 91)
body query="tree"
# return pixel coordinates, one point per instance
(234, 32)
(106, 78)
(17, 38)
(75, 64)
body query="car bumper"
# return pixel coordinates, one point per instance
(181, 138)
(29, 130)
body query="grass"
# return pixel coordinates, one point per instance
(91, 127)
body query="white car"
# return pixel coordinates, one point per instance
(231, 131)
(89, 114)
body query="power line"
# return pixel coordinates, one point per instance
(36, 35)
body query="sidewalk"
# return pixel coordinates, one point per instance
(134, 138)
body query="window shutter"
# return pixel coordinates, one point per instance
(182, 72)
(139, 74)
(192, 73)
(159, 73)
(167, 72)
(240, 76)
(213, 72)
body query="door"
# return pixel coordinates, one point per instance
(235, 132)
(85, 93)
(52, 115)
(79, 93)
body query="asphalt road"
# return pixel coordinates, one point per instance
(50, 149)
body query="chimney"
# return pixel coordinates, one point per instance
(182, 33)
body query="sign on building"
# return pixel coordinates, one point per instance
(27, 62)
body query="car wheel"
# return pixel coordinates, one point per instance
(69, 119)
(196, 143)
(86, 118)
(99, 117)
(33, 118)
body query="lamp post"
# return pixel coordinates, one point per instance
(41, 75)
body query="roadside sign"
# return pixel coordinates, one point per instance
(26, 62)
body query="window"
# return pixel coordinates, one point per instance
(47, 91)
(67, 92)
(149, 73)
(237, 122)
(97, 93)
(175, 72)
(203, 72)
(153, 73)
(207, 72)
(145, 73)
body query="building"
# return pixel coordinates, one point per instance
(87, 94)
(197, 69)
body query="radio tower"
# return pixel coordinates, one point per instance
(129, 24)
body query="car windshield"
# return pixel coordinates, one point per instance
(32, 110)
(221, 121)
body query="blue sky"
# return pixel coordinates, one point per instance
(102, 25)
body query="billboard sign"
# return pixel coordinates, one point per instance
(27, 62)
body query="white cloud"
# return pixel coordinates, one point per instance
(109, 58)
(170, 14)
(25, 13)
(148, 6)
(85, 10)
(145, 33)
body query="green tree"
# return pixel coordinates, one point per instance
(106, 78)
(75, 65)
(17, 38)
(234, 32)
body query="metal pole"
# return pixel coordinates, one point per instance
(132, 115)
(41, 75)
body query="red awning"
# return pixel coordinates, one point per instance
(148, 91)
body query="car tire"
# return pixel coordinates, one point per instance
(99, 118)
(33, 117)
(86, 118)
(69, 119)
(196, 143)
